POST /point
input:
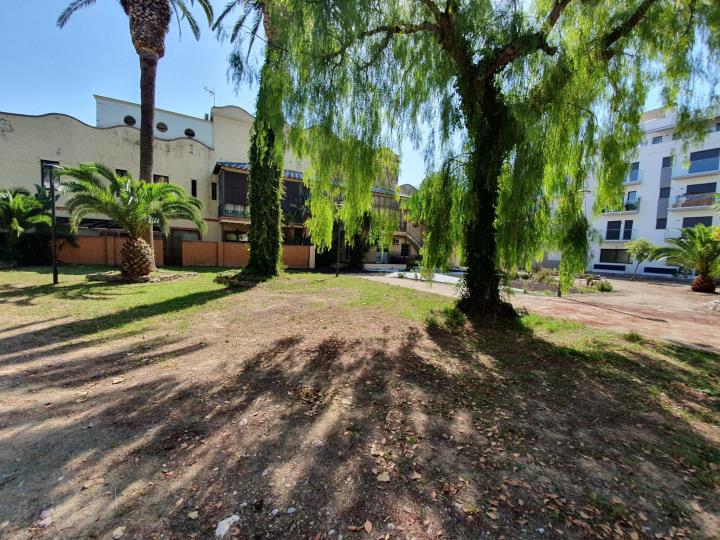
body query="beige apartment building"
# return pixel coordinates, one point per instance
(207, 156)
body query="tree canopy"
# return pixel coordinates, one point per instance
(520, 101)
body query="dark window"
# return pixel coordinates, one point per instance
(121, 172)
(661, 223)
(664, 192)
(627, 232)
(614, 256)
(717, 126)
(675, 136)
(46, 168)
(189, 133)
(667, 162)
(695, 189)
(405, 250)
(213, 191)
(704, 161)
(161, 127)
(657, 140)
(613, 230)
(619, 267)
(631, 197)
(692, 221)
(658, 270)
(129, 120)
(157, 178)
(193, 188)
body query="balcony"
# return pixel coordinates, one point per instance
(693, 201)
(698, 167)
(617, 235)
(634, 177)
(234, 210)
(628, 207)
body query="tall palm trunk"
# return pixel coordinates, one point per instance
(148, 75)
(149, 24)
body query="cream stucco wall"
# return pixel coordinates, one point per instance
(26, 140)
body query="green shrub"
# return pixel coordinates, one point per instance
(604, 286)
(633, 337)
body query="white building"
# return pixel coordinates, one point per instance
(666, 190)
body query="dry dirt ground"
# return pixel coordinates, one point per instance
(321, 408)
(654, 309)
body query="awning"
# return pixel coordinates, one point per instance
(296, 175)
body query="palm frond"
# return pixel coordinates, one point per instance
(229, 7)
(74, 6)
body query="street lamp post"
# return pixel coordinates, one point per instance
(53, 248)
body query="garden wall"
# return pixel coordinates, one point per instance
(236, 254)
(98, 250)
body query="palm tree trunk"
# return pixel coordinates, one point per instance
(148, 75)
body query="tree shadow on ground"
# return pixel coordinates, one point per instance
(454, 430)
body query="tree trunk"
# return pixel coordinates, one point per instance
(488, 123)
(265, 184)
(148, 74)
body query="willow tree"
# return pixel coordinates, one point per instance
(520, 99)
(268, 138)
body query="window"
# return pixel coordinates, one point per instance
(631, 196)
(190, 133)
(614, 256)
(159, 178)
(405, 250)
(695, 189)
(692, 221)
(704, 161)
(634, 174)
(121, 172)
(193, 188)
(664, 192)
(613, 230)
(129, 120)
(661, 223)
(627, 231)
(717, 126)
(161, 127)
(657, 140)
(213, 191)
(676, 136)
(46, 168)
(667, 162)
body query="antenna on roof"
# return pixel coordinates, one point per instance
(210, 91)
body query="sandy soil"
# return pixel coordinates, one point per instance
(312, 419)
(653, 309)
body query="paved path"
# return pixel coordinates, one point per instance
(658, 310)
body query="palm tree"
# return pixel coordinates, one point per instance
(149, 24)
(19, 211)
(133, 205)
(697, 249)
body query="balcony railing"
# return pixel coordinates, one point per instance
(697, 167)
(628, 206)
(635, 176)
(695, 200)
(617, 235)
(235, 210)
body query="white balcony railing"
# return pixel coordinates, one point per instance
(695, 200)
(617, 235)
(696, 168)
(629, 206)
(635, 176)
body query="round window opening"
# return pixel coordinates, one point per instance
(129, 120)
(161, 127)
(189, 133)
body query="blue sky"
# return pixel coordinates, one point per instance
(46, 69)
